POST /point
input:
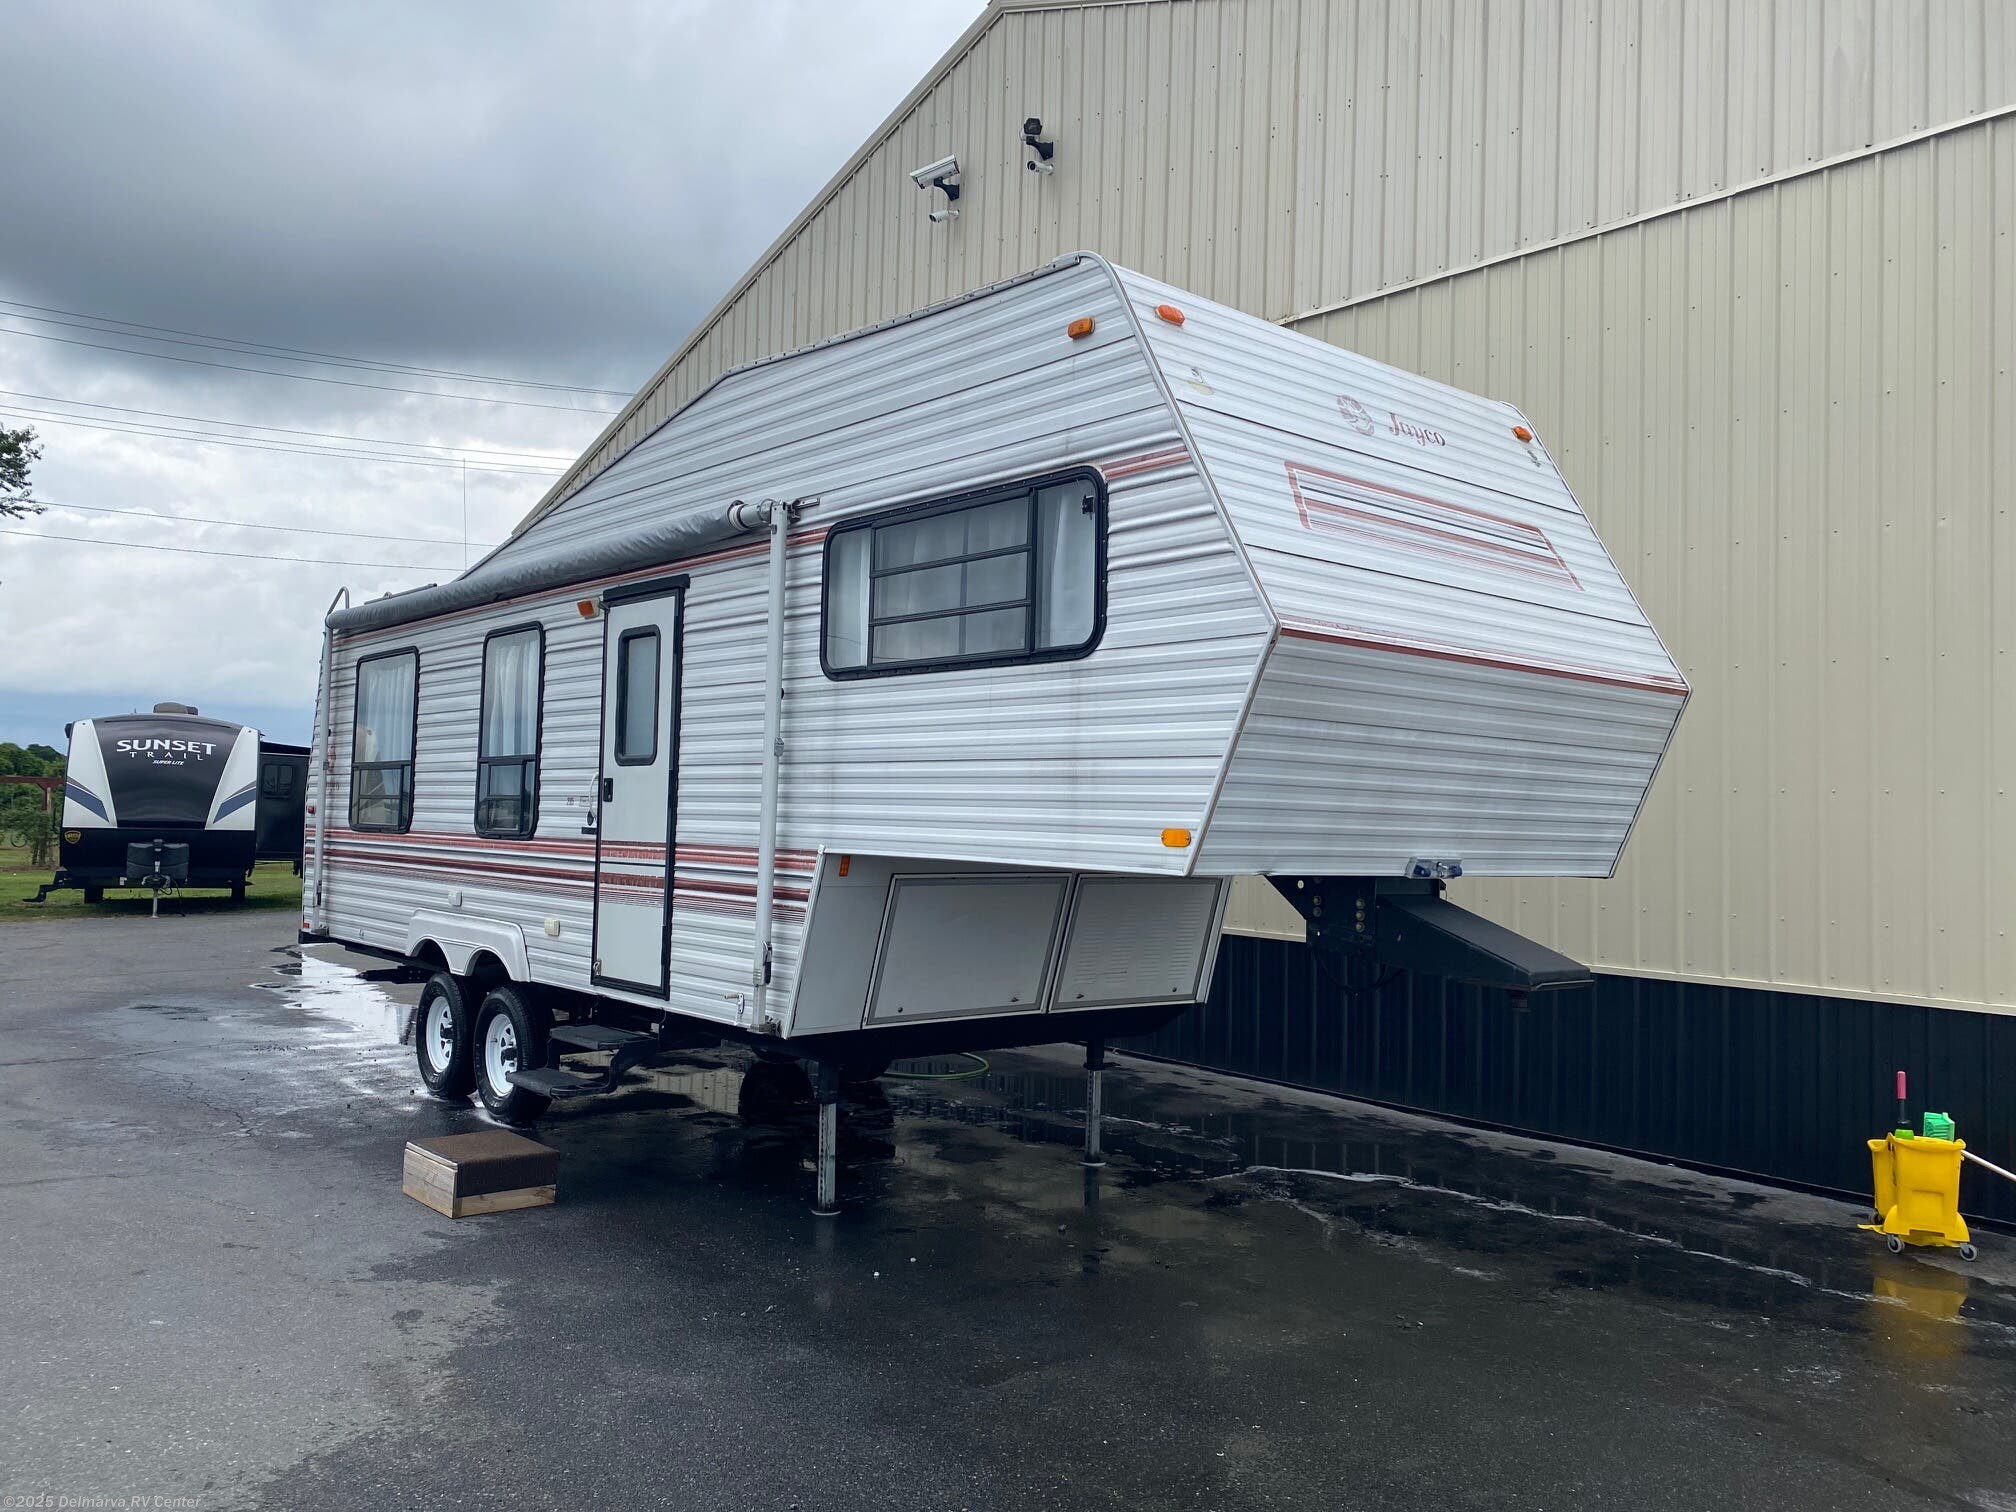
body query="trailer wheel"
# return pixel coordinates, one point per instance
(859, 1073)
(441, 1038)
(510, 1036)
(94, 895)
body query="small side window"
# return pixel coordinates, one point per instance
(276, 780)
(637, 698)
(507, 744)
(381, 741)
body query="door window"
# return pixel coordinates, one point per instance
(637, 698)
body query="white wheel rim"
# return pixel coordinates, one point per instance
(439, 1035)
(500, 1053)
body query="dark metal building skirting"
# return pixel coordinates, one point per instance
(1784, 1086)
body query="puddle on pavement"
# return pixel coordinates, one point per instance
(1581, 1222)
(353, 998)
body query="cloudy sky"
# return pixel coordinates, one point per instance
(543, 192)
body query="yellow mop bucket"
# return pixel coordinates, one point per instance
(1918, 1191)
(1917, 1182)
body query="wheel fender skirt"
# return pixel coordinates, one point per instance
(1424, 933)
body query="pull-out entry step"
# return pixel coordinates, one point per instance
(549, 1081)
(626, 1049)
(582, 1039)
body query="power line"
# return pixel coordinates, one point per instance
(383, 388)
(254, 348)
(162, 514)
(250, 556)
(286, 430)
(254, 443)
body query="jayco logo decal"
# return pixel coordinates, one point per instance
(1361, 420)
(1420, 435)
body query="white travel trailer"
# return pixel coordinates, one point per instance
(172, 798)
(928, 687)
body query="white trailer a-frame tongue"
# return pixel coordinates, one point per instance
(926, 688)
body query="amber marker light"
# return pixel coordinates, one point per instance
(587, 608)
(1176, 839)
(1170, 313)
(1522, 433)
(1080, 328)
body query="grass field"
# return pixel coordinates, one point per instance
(274, 885)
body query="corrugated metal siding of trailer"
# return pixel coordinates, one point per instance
(378, 880)
(1282, 155)
(1793, 417)
(969, 379)
(713, 869)
(1082, 763)
(1356, 762)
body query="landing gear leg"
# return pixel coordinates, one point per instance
(826, 1091)
(1095, 1096)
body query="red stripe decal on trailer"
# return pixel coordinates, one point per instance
(1380, 515)
(727, 906)
(1342, 635)
(441, 867)
(1127, 467)
(471, 845)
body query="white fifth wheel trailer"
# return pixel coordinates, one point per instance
(928, 687)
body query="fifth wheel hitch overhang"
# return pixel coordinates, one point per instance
(1405, 925)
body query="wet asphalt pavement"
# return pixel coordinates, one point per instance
(214, 1289)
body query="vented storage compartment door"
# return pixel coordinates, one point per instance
(1138, 940)
(963, 945)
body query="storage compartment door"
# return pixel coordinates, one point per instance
(1137, 940)
(965, 946)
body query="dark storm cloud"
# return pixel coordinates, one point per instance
(559, 189)
(554, 192)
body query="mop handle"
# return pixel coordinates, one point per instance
(2005, 1175)
(1902, 1123)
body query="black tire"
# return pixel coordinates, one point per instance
(94, 895)
(523, 1022)
(858, 1073)
(443, 1030)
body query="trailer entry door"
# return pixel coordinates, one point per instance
(640, 757)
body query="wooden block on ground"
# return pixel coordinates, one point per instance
(490, 1172)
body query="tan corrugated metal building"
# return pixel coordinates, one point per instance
(1751, 268)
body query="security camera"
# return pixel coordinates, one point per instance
(1032, 138)
(942, 175)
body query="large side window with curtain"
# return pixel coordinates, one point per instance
(1013, 574)
(507, 747)
(381, 741)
